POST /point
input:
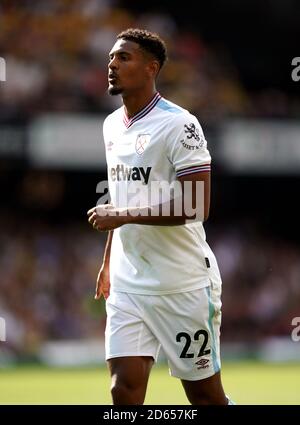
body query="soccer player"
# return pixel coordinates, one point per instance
(159, 276)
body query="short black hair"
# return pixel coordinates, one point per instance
(149, 41)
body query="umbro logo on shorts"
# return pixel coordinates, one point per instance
(202, 363)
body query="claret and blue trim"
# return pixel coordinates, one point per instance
(129, 121)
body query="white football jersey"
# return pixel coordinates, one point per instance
(160, 143)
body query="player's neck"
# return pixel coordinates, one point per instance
(135, 103)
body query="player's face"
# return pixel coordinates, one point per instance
(128, 68)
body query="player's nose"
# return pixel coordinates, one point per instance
(112, 65)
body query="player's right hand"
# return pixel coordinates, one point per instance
(103, 283)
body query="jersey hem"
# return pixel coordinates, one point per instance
(201, 285)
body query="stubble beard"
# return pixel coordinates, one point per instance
(114, 91)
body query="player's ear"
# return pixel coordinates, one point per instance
(153, 67)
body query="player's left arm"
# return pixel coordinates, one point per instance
(199, 196)
(195, 204)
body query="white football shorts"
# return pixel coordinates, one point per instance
(186, 325)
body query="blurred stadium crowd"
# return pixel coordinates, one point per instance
(57, 53)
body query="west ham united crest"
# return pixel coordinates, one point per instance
(141, 143)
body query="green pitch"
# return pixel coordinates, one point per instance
(245, 382)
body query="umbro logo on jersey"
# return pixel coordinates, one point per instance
(120, 172)
(141, 143)
(109, 145)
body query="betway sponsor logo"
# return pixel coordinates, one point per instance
(121, 172)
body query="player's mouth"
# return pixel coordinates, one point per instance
(112, 78)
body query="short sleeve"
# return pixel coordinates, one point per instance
(187, 147)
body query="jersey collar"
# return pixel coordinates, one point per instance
(129, 121)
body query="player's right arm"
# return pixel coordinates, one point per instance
(103, 281)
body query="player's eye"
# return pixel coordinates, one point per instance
(123, 57)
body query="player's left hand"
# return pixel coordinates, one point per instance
(105, 217)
